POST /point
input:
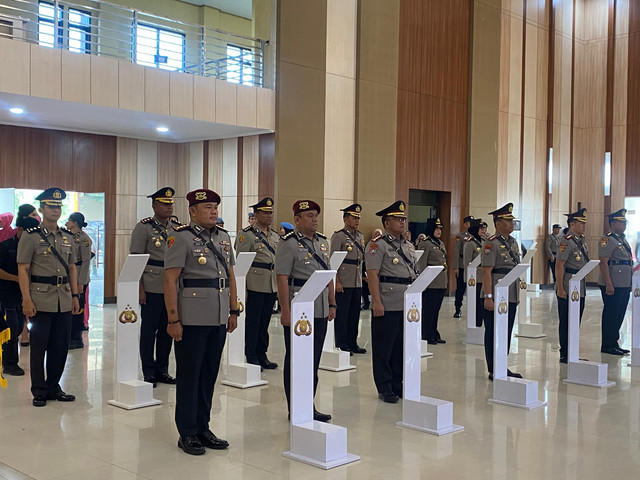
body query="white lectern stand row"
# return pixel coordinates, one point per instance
(527, 329)
(424, 345)
(635, 320)
(475, 335)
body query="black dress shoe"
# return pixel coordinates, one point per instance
(388, 397)
(151, 380)
(209, 440)
(321, 417)
(624, 350)
(253, 361)
(85, 328)
(166, 378)
(267, 364)
(13, 370)
(61, 397)
(491, 377)
(439, 340)
(458, 314)
(344, 348)
(191, 445)
(513, 374)
(432, 341)
(563, 360)
(357, 349)
(76, 345)
(39, 401)
(612, 351)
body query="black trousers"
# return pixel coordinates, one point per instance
(387, 352)
(489, 328)
(49, 335)
(461, 286)
(319, 333)
(563, 324)
(258, 317)
(11, 317)
(552, 266)
(479, 305)
(198, 357)
(615, 306)
(154, 336)
(77, 321)
(348, 317)
(431, 304)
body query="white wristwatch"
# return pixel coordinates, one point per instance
(489, 295)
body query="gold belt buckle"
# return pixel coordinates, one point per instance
(59, 281)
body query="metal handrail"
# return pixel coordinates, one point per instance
(112, 30)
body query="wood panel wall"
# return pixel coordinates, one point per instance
(633, 103)
(38, 159)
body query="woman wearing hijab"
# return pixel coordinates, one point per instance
(6, 230)
(83, 242)
(471, 249)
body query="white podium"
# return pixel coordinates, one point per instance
(514, 392)
(424, 345)
(131, 392)
(526, 328)
(425, 414)
(333, 359)
(635, 320)
(475, 335)
(582, 372)
(319, 444)
(239, 373)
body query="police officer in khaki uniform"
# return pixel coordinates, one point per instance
(458, 265)
(48, 282)
(300, 253)
(261, 282)
(83, 242)
(199, 286)
(500, 254)
(616, 270)
(471, 249)
(435, 253)
(391, 266)
(573, 254)
(150, 236)
(349, 279)
(551, 247)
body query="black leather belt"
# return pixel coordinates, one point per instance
(50, 280)
(400, 280)
(218, 283)
(350, 261)
(501, 271)
(297, 282)
(571, 270)
(266, 266)
(155, 263)
(619, 262)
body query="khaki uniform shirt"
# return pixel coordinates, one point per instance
(199, 306)
(252, 239)
(461, 238)
(385, 258)
(496, 254)
(294, 260)
(617, 250)
(434, 254)
(350, 272)
(569, 251)
(150, 236)
(551, 245)
(36, 251)
(471, 249)
(83, 260)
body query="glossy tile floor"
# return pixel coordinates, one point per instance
(583, 433)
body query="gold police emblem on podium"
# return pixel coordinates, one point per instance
(575, 296)
(128, 315)
(503, 307)
(472, 282)
(413, 315)
(302, 327)
(636, 292)
(523, 285)
(240, 306)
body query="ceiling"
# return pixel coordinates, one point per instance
(80, 117)
(241, 8)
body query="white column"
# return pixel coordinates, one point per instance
(475, 335)
(635, 320)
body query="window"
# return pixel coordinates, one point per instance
(159, 48)
(74, 31)
(240, 65)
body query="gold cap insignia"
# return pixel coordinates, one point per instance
(269, 203)
(510, 208)
(302, 326)
(57, 195)
(358, 209)
(303, 205)
(168, 194)
(201, 195)
(401, 207)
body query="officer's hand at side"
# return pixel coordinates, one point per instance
(488, 304)
(285, 319)
(232, 323)
(562, 293)
(75, 305)
(332, 313)
(28, 308)
(175, 331)
(610, 290)
(339, 287)
(455, 273)
(378, 309)
(142, 298)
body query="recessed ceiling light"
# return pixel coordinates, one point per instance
(162, 129)
(16, 110)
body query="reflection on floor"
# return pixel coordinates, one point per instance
(583, 433)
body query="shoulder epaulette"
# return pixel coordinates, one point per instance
(609, 234)
(247, 229)
(338, 231)
(492, 238)
(147, 220)
(33, 229)
(469, 238)
(65, 230)
(375, 238)
(222, 229)
(320, 235)
(277, 233)
(179, 228)
(568, 236)
(287, 236)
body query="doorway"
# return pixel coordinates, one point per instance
(425, 204)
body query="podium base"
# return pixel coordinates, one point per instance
(475, 336)
(335, 361)
(322, 445)
(516, 392)
(429, 415)
(592, 374)
(134, 394)
(424, 352)
(530, 330)
(533, 287)
(635, 358)
(243, 375)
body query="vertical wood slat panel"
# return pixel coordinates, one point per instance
(267, 165)
(633, 103)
